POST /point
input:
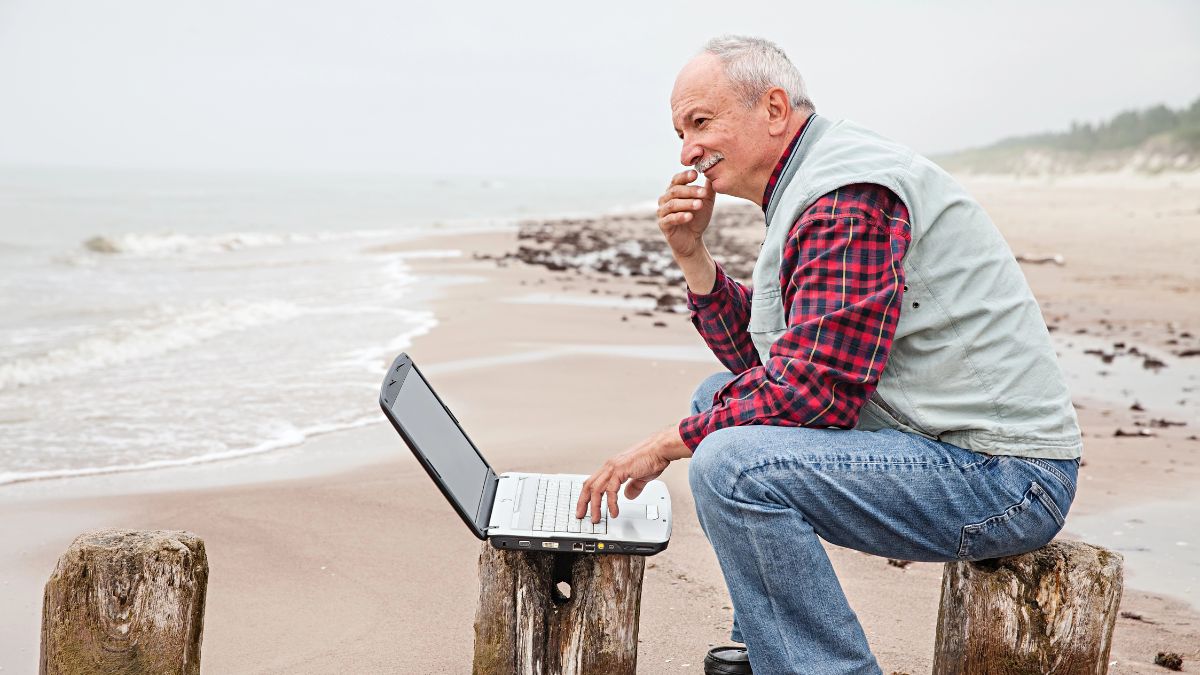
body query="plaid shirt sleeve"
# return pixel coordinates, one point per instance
(721, 317)
(842, 284)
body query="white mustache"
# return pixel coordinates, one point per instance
(708, 162)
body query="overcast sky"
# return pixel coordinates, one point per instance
(543, 88)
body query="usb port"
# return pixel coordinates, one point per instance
(549, 544)
(523, 542)
(577, 547)
(589, 548)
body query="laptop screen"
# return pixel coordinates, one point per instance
(439, 439)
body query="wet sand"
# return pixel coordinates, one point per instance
(341, 555)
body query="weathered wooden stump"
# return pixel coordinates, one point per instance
(528, 623)
(126, 602)
(1047, 611)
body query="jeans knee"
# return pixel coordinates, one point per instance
(714, 462)
(702, 398)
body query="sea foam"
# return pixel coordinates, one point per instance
(164, 329)
(289, 437)
(163, 244)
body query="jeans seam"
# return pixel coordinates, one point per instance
(962, 544)
(975, 466)
(758, 558)
(1062, 477)
(840, 463)
(1048, 502)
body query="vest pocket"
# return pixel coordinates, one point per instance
(878, 411)
(766, 312)
(870, 420)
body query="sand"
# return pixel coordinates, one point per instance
(341, 555)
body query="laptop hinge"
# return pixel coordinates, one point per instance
(486, 501)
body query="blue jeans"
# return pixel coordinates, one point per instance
(766, 495)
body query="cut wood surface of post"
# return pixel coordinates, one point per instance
(1047, 611)
(557, 613)
(125, 602)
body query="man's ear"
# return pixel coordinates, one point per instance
(779, 110)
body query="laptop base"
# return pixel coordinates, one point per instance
(557, 545)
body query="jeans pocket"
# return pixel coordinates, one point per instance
(1065, 471)
(1029, 524)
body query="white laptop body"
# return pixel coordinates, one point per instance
(514, 510)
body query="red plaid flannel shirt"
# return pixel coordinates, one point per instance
(842, 284)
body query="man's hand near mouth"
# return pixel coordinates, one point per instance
(684, 212)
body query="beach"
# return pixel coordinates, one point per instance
(558, 343)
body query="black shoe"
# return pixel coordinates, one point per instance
(727, 661)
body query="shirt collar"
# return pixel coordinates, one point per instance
(774, 179)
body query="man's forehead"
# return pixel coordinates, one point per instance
(700, 74)
(701, 82)
(683, 107)
(704, 66)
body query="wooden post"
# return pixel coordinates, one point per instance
(1047, 611)
(126, 602)
(528, 623)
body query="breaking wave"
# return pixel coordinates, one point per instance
(152, 245)
(164, 330)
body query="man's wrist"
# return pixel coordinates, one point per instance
(700, 300)
(673, 445)
(699, 270)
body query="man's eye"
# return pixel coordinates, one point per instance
(700, 121)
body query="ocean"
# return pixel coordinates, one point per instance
(152, 319)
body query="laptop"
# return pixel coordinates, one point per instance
(514, 510)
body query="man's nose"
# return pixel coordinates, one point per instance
(691, 153)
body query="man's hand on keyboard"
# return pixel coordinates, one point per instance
(639, 465)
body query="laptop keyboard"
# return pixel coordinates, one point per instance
(554, 510)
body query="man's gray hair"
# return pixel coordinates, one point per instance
(755, 65)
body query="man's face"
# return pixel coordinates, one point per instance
(722, 138)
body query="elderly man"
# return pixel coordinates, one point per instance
(892, 387)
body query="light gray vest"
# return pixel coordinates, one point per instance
(971, 362)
